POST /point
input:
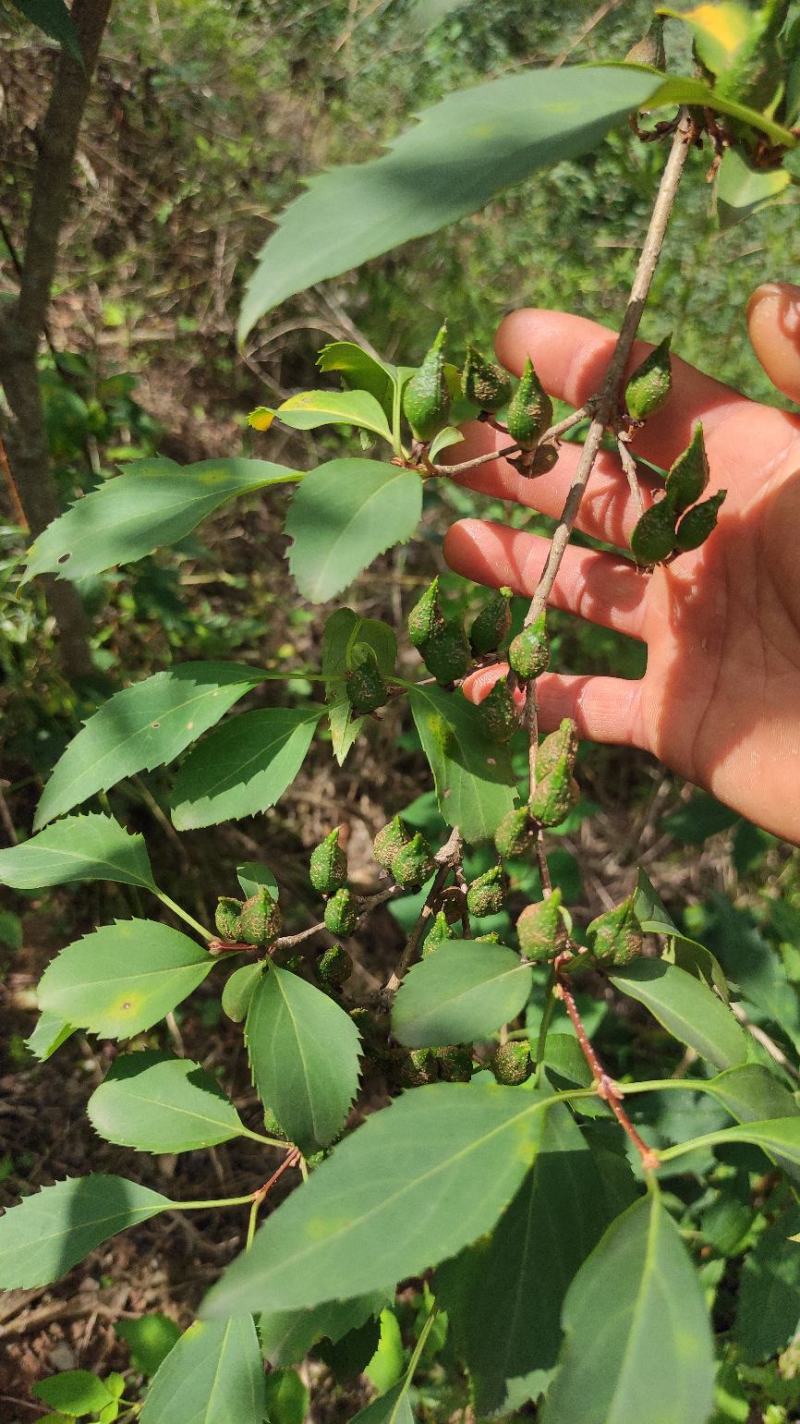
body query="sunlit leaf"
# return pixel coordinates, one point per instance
(462, 992)
(310, 409)
(244, 767)
(686, 1008)
(157, 1103)
(77, 848)
(213, 1375)
(472, 774)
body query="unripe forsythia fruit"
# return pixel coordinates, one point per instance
(426, 398)
(615, 938)
(530, 409)
(688, 476)
(228, 917)
(341, 913)
(649, 387)
(490, 628)
(261, 919)
(515, 834)
(498, 713)
(485, 895)
(441, 642)
(334, 966)
(327, 867)
(426, 617)
(483, 383)
(512, 1062)
(389, 841)
(529, 653)
(412, 865)
(439, 931)
(698, 523)
(653, 537)
(556, 790)
(540, 929)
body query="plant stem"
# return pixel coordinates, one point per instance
(208, 1205)
(629, 466)
(448, 857)
(183, 914)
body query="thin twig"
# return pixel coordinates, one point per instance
(447, 858)
(552, 433)
(631, 475)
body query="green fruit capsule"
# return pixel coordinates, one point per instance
(688, 476)
(439, 931)
(498, 713)
(512, 1063)
(334, 967)
(491, 625)
(228, 918)
(485, 895)
(446, 654)
(649, 386)
(418, 1067)
(540, 929)
(515, 834)
(365, 687)
(615, 938)
(653, 538)
(558, 750)
(426, 397)
(412, 865)
(341, 913)
(455, 1063)
(554, 798)
(491, 938)
(260, 921)
(483, 383)
(530, 409)
(426, 617)
(389, 841)
(701, 521)
(529, 653)
(327, 868)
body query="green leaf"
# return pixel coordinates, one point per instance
(54, 19)
(638, 1344)
(157, 1103)
(360, 371)
(504, 1295)
(310, 409)
(688, 954)
(286, 1397)
(473, 776)
(244, 767)
(288, 1335)
(462, 992)
(48, 1035)
(752, 1093)
(461, 152)
(686, 1008)
(142, 727)
(388, 1362)
(343, 515)
(239, 990)
(252, 876)
(303, 1056)
(721, 31)
(343, 630)
(74, 1392)
(49, 1232)
(450, 435)
(149, 1339)
(390, 1408)
(755, 967)
(154, 504)
(124, 977)
(743, 190)
(214, 1375)
(420, 1180)
(777, 1137)
(768, 1299)
(78, 848)
(675, 89)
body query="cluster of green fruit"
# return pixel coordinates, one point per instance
(677, 523)
(528, 410)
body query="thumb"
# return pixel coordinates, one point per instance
(773, 323)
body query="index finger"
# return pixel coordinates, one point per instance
(571, 355)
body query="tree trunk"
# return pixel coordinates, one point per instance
(23, 320)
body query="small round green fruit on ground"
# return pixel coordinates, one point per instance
(341, 913)
(389, 841)
(334, 967)
(486, 894)
(327, 867)
(260, 921)
(228, 917)
(529, 653)
(512, 1062)
(412, 865)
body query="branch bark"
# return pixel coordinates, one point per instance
(23, 321)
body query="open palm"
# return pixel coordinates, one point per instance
(720, 699)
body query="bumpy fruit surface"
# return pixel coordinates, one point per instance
(485, 895)
(555, 791)
(271, 1125)
(529, 653)
(389, 841)
(426, 398)
(558, 749)
(483, 383)
(412, 865)
(426, 617)
(418, 1067)
(498, 713)
(228, 917)
(261, 919)
(341, 913)
(365, 687)
(514, 836)
(615, 938)
(530, 409)
(334, 967)
(540, 929)
(491, 938)
(698, 523)
(454, 1062)
(688, 476)
(439, 931)
(490, 628)
(327, 868)
(446, 653)
(512, 1063)
(653, 538)
(649, 386)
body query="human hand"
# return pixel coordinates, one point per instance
(720, 700)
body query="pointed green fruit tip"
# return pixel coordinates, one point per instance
(260, 919)
(486, 894)
(540, 929)
(341, 913)
(389, 841)
(413, 864)
(327, 867)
